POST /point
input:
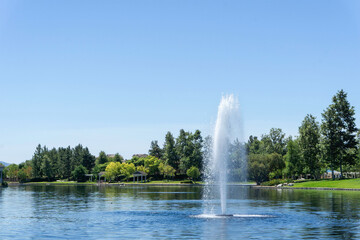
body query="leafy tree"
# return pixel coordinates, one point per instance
(275, 142)
(309, 140)
(189, 150)
(77, 156)
(53, 157)
(99, 168)
(339, 132)
(79, 173)
(276, 165)
(12, 171)
(142, 169)
(118, 158)
(113, 170)
(88, 160)
(152, 163)
(127, 169)
(170, 154)
(196, 158)
(193, 173)
(37, 162)
(253, 145)
(294, 163)
(102, 158)
(166, 170)
(22, 175)
(155, 150)
(47, 168)
(64, 162)
(259, 168)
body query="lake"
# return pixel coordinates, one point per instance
(175, 212)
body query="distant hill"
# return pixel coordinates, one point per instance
(5, 163)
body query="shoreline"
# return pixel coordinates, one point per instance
(14, 184)
(308, 188)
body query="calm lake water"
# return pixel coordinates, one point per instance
(92, 212)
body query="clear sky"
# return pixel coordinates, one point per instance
(114, 75)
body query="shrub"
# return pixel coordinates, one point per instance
(187, 181)
(79, 173)
(275, 182)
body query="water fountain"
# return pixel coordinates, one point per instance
(227, 129)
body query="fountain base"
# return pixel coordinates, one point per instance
(224, 215)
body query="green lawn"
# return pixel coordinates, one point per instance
(344, 183)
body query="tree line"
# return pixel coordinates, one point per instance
(331, 145)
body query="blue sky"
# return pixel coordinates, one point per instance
(114, 75)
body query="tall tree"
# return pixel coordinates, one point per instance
(196, 157)
(309, 140)
(37, 162)
(88, 160)
(47, 168)
(293, 159)
(77, 156)
(339, 131)
(170, 154)
(155, 150)
(253, 145)
(274, 142)
(118, 158)
(64, 161)
(102, 158)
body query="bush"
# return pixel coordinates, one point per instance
(193, 172)
(4, 184)
(187, 181)
(79, 173)
(275, 182)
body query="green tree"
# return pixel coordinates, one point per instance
(259, 168)
(77, 156)
(47, 168)
(253, 145)
(166, 170)
(37, 162)
(170, 154)
(79, 173)
(22, 175)
(276, 165)
(294, 163)
(309, 140)
(118, 158)
(12, 171)
(339, 132)
(189, 149)
(274, 142)
(102, 158)
(152, 163)
(193, 173)
(155, 150)
(88, 160)
(127, 169)
(113, 170)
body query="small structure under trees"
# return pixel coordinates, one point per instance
(102, 174)
(140, 174)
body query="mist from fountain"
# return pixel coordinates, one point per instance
(227, 129)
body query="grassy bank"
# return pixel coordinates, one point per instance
(344, 183)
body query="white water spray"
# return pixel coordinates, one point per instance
(227, 129)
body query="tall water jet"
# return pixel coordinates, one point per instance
(225, 137)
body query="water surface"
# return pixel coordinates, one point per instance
(151, 212)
